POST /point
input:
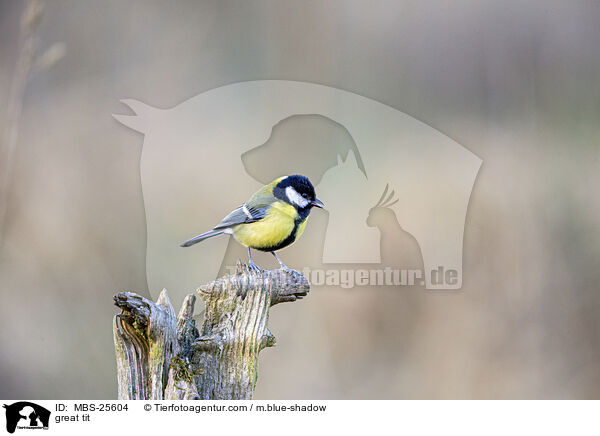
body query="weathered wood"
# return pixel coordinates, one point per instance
(145, 341)
(160, 356)
(182, 373)
(235, 328)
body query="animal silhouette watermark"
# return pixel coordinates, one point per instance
(26, 415)
(192, 172)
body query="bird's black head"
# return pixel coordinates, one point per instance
(297, 191)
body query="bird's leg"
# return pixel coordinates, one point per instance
(251, 264)
(283, 265)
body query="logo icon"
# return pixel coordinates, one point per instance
(193, 167)
(26, 415)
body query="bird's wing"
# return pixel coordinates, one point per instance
(253, 210)
(242, 215)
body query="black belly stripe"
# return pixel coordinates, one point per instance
(287, 241)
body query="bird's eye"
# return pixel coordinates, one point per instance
(305, 196)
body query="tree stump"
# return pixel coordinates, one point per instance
(163, 356)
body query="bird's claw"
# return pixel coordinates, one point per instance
(254, 267)
(284, 267)
(287, 269)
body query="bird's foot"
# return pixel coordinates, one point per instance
(253, 266)
(287, 269)
(284, 267)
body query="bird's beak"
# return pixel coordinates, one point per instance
(317, 203)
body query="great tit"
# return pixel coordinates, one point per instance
(273, 218)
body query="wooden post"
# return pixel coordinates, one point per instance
(163, 356)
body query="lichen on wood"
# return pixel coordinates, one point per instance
(160, 356)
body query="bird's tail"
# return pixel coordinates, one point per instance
(202, 237)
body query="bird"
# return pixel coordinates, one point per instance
(274, 217)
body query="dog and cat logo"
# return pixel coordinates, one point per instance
(26, 415)
(193, 165)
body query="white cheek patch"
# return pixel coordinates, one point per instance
(295, 198)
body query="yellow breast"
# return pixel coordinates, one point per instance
(301, 227)
(274, 228)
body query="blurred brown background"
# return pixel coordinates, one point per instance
(514, 82)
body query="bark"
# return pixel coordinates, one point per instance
(161, 356)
